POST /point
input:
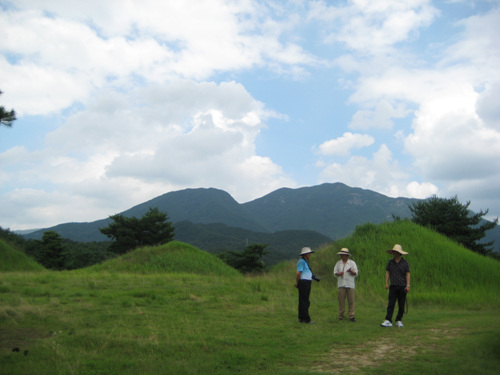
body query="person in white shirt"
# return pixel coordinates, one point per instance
(345, 271)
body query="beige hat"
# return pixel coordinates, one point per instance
(306, 250)
(344, 251)
(397, 248)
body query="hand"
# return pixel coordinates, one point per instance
(407, 289)
(386, 286)
(296, 284)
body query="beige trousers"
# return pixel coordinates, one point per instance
(342, 293)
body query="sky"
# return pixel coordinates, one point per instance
(120, 101)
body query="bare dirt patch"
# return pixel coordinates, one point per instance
(351, 359)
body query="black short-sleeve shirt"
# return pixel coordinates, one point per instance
(397, 271)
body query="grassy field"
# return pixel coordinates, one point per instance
(175, 309)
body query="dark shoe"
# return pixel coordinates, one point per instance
(341, 318)
(352, 320)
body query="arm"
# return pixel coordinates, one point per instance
(297, 278)
(353, 270)
(387, 279)
(407, 282)
(337, 272)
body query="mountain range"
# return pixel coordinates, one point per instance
(214, 221)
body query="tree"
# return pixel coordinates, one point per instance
(454, 220)
(129, 232)
(12, 237)
(85, 254)
(50, 251)
(247, 261)
(7, 117)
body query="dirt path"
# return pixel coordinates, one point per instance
(352, 360)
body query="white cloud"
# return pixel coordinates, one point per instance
(478, 47)
(420, 190)
(342, 146)
(28, 208)
(63, 52)
(487, 106)
(381, 173)
(454, 139)
(124, 152)
(134, 117)
(481, 193)
(374, 27)
(380, 117)
(454, 147)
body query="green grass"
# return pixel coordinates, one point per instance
(441, 271)
(15, 260)
(176, 257)
(177, 310)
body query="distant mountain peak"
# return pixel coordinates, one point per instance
(330, 209)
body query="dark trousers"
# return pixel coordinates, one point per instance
(304, 292)
(396, 293)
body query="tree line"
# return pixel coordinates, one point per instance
(58, 253)
(446, 216)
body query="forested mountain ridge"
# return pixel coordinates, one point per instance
(333, 210)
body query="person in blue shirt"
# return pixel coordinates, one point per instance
(303, 281)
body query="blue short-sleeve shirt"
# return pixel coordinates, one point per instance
(303, 267)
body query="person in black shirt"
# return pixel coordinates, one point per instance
(398, 271)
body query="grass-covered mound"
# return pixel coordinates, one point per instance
(173, 257)
(13, 260)
(155, 311)
(442, 271)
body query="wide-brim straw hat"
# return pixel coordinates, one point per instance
(397, 248)
(344, 251)
(306, 250)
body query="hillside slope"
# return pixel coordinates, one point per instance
(173, 257)
(13, 260)
(442, 271)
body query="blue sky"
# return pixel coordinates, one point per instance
(121, 101)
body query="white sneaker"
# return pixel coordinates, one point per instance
(399, 323)
(386, 323)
